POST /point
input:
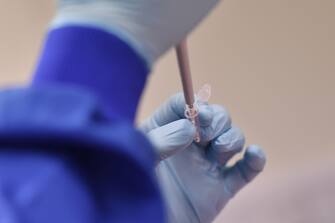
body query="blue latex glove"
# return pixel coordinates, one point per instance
(195, 179)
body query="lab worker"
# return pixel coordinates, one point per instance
(69, 151)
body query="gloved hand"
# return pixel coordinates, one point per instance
(151, 27)
(194, 177)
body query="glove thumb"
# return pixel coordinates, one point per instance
(172, 138)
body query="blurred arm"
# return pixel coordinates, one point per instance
(97, 61)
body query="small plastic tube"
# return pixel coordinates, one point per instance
(191, 108)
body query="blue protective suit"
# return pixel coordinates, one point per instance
(68, 150)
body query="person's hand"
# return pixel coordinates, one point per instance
(194, 177)
(151, 27)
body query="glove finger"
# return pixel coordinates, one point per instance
(206, 115)
(245, 170)
(221, 123)
(172, 138)
(172, 110)
(224, 147)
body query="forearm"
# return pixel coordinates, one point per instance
(107, 46)
(96, 61)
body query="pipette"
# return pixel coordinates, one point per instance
(191, 110)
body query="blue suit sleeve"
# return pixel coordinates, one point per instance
(68, 150)
(97, 61)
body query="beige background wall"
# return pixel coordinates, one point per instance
(270, 62)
